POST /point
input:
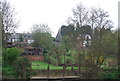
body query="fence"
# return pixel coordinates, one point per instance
(83, 74)
(50, 73)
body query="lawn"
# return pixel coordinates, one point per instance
(43, 66)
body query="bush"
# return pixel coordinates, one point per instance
(10, 55)
(50, 59)
(67, 59)
(8, 73)
(46, 59)
(22, 67)
(110, 74)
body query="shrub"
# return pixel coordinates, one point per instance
(110, 74)
(10, 55)
(8, 73)
(50, 59)
(53, 60)
(22, 67)
(46, 59)
(67, 59)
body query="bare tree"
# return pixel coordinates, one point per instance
(93, 17)
(42, 28)
(100, 18)
(9, 24)
(80, 15)
(99, 21)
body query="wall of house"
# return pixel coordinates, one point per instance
(34, 57)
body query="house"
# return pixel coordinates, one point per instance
(58, 38)
(86, 42)
(33, 53)
(23, 40)
(20, 37)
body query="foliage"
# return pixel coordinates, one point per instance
(8, 73)
(68, 42)
(74, 55)
(42, 36)
(22, 67)
(17, 64)
(53, 60)
(110, 74)
(110, 45)
(10, 55)
(104, 44)
(43, 40)
(58, 51)
(67, 60)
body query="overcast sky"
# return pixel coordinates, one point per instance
(56, 12)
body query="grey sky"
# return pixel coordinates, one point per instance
(56, 12)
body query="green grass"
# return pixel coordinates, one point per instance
(43, 66)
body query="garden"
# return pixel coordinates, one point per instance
(87, 47)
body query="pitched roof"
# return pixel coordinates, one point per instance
(58, 36)
(17, 35)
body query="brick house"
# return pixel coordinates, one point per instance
(23, 40)
(33, 53)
